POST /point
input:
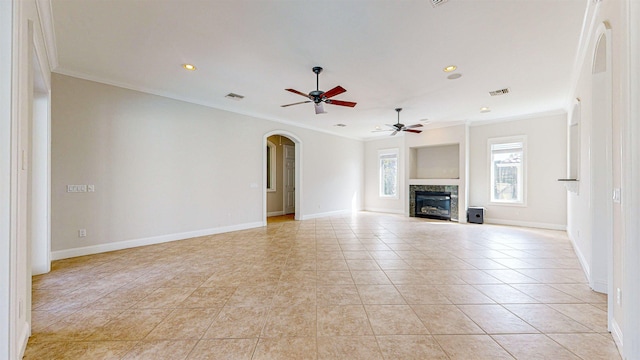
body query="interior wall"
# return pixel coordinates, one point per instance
(165, 169)
(581, 207)
(546, 161)
(438, 162)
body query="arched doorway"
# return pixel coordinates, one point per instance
(281, 165)
(601, 177)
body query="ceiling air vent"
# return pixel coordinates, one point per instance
(499, 92)
(436, 3)
(233, 96)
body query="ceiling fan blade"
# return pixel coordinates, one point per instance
(333, 92)
(319, 108)
(298, 92)
(341, 103)
(413, 131)
(301, 102)
(393, 133)
(414, 126)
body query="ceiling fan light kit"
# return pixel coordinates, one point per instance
(318, 97)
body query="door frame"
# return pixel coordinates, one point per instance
(298, 172)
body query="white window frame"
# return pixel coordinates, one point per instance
(523, 173)
(271, 164)
(385, 154)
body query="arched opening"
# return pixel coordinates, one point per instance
(282, 168)
(601, 173)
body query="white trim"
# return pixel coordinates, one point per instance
(631, 186)
(6, 151)
(523, 177)
(326, 214)
(24, 339)
(537, 115)
(386, 211)
(45, 14)
(274, 165)
(583, 261)
(529, 224)
(127, 244)
(275, 213)
(588, 29)
(385, 152)
(616, 333)
(298, 164)
(208, 104)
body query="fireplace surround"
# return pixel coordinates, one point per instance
(452, 189)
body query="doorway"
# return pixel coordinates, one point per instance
(281, 175)
(602, 174)
(39, 172)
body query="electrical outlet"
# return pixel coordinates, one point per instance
(91, 188)
(82, 232)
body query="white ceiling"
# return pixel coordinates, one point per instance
(386, 53)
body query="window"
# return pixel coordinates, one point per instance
(388, 160)
(271, 166)
(507, 169)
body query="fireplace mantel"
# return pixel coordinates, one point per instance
(444, 182)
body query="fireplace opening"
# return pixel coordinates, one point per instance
(433, 204)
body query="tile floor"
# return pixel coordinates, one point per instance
(368, 286)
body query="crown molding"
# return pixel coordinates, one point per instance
(45, 15)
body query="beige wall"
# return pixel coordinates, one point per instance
(165, 169)
(546, 161)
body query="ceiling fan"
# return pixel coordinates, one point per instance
(401, 127)
(318, 96)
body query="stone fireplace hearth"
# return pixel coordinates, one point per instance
(453, 189)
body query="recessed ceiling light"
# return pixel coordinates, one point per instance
(484, 109)
(189, 67)
(378, 127)
(449, 68)
(454, 76)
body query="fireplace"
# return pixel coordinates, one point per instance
(433, 204)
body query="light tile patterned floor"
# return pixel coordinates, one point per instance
(368, 286)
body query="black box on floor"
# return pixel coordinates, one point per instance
(475, 215)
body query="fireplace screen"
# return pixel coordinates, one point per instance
(433, 204)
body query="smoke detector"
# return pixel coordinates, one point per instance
(499, 92)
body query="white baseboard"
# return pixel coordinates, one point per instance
(24, 339)
(616, 333)
(325, 214)
(387, 211)
(127, 244)
(526, 224)
(275, 213)
(583, 261)
(599, 286)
